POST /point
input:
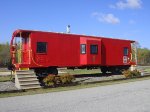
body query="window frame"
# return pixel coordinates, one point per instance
(95, 51)
(40, 51)
(125, 51)
(81, 48)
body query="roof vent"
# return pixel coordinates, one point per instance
(68, 29)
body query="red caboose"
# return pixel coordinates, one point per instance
(46, 51)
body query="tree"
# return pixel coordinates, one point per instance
(4, 54)
(143, 56)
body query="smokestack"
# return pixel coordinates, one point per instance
(68, 29)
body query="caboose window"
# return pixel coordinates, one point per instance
(125, 51)
(94, 49)
(83, 49)
(41, 47)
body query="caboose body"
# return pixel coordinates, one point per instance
(46, 51)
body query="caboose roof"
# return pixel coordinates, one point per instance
(25, 33)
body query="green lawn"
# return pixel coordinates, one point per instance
(5, 78)
(81, 71)
(147, 70)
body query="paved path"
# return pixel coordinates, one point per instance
(127, 97)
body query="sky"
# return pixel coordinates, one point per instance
(125, 19)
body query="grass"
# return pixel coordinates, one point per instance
(5, 78)
(147, 70)
(79, 86)
(81, 71)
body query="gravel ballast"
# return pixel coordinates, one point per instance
(7, 86)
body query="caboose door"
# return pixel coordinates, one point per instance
(25, 50)
(94, 52)
(22, 50)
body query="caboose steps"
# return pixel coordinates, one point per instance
(31, 87)
(29, 82)
(26, 79)
(25, 71)
(26, 76)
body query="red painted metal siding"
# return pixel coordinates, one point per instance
(62, 50)
(112, 52)
(88, 58)
(83, 57)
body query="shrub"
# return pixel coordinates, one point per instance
(136, 73)
(54, 80)
(131, 74)
(57, 80)
(67, 79)
(49, 80)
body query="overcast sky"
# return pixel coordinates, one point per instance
(126, 19)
